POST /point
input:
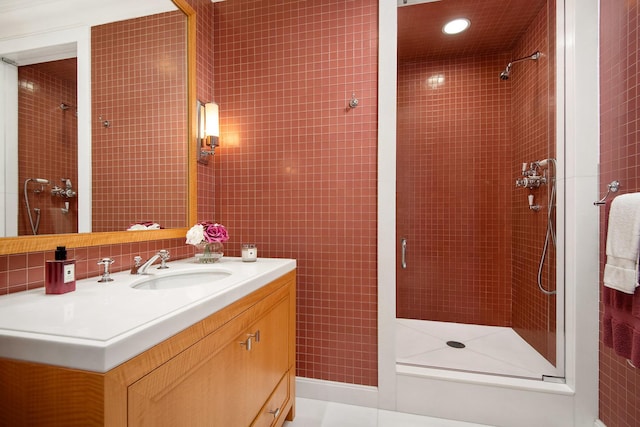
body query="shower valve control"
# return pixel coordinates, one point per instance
(66, 192)
(533, 181)
(531, 176)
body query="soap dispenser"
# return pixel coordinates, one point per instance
(60, 273)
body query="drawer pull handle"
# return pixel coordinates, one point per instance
(255, 336)
(275, 412)
(246, 343)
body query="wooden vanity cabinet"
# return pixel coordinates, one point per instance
(217, 381)
(233, 369)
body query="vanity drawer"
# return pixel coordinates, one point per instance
(275, 410)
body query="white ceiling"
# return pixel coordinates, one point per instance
(20, 18)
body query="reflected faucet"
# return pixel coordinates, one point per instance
(162, 254)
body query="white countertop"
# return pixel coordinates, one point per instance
(101, 325)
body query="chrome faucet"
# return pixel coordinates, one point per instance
(162, 254)
(137, 262)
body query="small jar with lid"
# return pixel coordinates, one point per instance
(249, 252)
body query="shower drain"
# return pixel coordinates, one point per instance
(455, 344)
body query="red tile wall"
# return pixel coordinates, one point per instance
(454, 185)
(21, 272)
(47, 146)
(296, 170)
(205, 78)
(138, 84)
(619, 160)
(473, 244)
(533, 126)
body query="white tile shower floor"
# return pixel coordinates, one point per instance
(489, 349)
(318, 413)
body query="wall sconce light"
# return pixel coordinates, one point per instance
(208, 130)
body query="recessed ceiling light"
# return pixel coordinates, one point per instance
(456, 26)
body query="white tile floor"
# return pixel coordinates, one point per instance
(318, 413)
(489, 349)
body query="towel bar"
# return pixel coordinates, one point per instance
(612, 187)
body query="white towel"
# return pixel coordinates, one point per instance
(136, 227)
(623, 243)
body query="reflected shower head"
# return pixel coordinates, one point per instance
(39, 180)
(507, 71)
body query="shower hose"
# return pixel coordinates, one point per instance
(550, 236)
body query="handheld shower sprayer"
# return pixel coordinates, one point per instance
(34, 225)
(507, 71)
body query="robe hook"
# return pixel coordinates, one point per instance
(353, 103)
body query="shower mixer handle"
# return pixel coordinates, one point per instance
(533, 181)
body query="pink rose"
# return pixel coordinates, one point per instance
(214, 232)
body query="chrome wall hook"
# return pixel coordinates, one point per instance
(612, 187)
(353, 103)
(104, 123)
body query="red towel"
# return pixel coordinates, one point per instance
(621, 323)
(621, 319)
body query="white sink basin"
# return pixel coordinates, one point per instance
(181, 280)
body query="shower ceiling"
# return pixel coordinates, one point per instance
(64, 69)
(495, 26)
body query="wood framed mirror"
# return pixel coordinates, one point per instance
(22, 244)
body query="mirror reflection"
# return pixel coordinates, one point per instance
(47, 147)
(133, 170)
(139, 100)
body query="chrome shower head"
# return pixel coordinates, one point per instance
(533, 57)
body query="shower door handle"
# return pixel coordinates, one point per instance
(403, 246)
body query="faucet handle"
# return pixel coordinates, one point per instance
(106, 274)
(164, 256)
(137, 262)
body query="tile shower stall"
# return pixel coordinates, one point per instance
(473, 245)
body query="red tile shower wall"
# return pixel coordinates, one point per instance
(47, 147)
(454, 190)
(533, 126)
(619, 159)
(138, 84)
(296, 170)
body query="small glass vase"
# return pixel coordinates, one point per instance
(211, 252)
